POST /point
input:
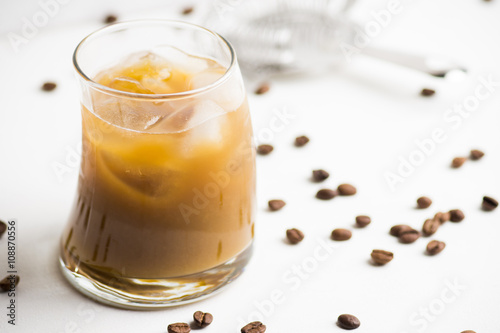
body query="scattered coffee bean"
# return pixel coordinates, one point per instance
(346, 189)
(110, 19)
(434, 247)
(409, 236)
(341, 234)
(187, 10)
(202, 319)
(398, 229)
(262, 89)
(442, 217)
(424, 202)
(382, 257)
(427, 92)
(3, 227)
(320, 175)
(431, 226)
(458, 162)
(348, 322)
(254, 327)
(49, 86)
(363, 220)
(456, 215)
(276, 204)
(264, 149)
(489, 204)
(294, 235)
(6, 282)
(476, 154)
(326, 194)
(301, 141)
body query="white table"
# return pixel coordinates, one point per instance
(361, 119)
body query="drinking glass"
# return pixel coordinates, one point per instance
(164, 211)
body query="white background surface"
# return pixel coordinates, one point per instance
(361, 120)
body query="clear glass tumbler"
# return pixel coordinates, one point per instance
(164, 213)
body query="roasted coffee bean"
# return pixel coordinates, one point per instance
(346, 189)
(489, 204)
(110, 19)
(320, 175)
(3, 227)
(264, 149)
(427, 92)
(254, 327)
(202, 319)
(424, 202)
(276, 204)
(442, 217)
(187, 10)
(341, 234)
(398, 229)
(458, 162)
(434, 247)
(262, 89)
(431, 226)
(294, 235)
(382, 257)
(179, 328)
(49, 86)
(476, 154)
(6, 283)
(456, 215)
(363, 220)
(348, 322)
(326, 194)
(301, 141)
(409, 236)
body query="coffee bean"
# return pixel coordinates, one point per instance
(254, 327)
(476, 154)
(346, 189)
(442, 217)
(489, 204)
(262, 89)
(110, 19)
(382, 257)
(341, 234)
(264, 149)
(294, 235)
(3, 227)
(6, 282)
(427, 92)
(456, 215)
(423, 202)
(49, 86)
(409, 236)
(276, 204)
(363, 220)
(326, 194)
(434, 247)
(187, 10)
(431, 226)
(202, 319)
(301, 140)
(348, 322)
(398, 229)
(458, 162)
(179, 328)
(320, 175)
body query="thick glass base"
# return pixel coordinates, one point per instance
(131, 293)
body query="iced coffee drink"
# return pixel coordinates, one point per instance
(165, 198)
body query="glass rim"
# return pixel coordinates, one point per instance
(121, 25)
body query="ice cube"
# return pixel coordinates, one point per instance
(129, 85)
